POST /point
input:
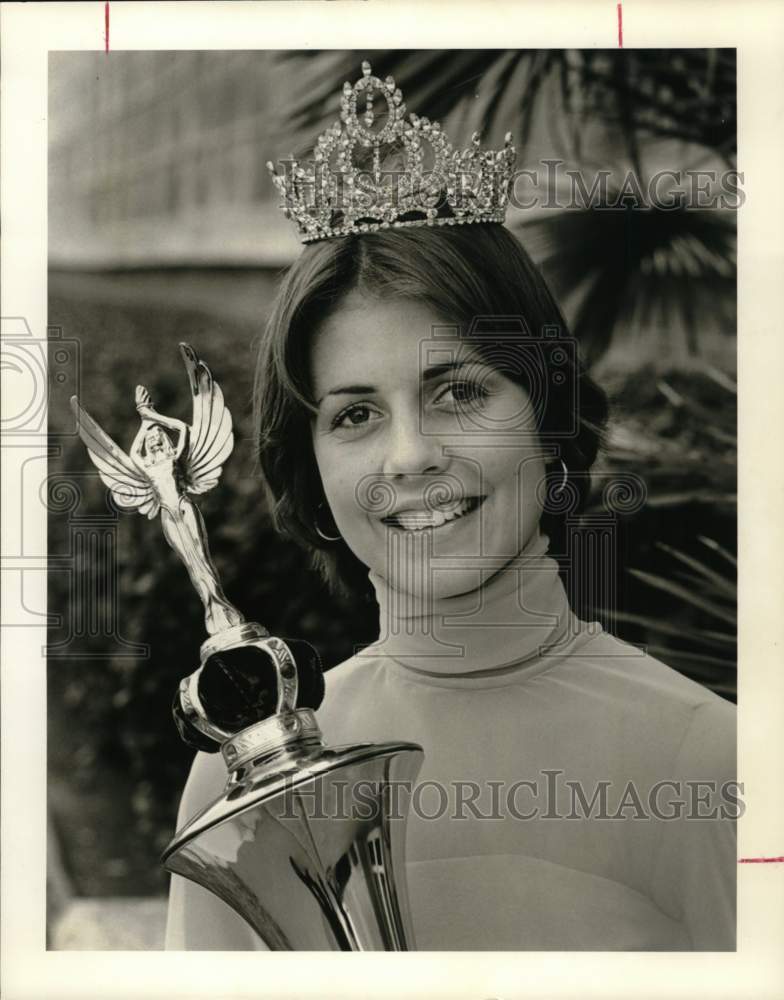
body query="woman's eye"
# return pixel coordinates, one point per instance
(463, 394)
(353, 416)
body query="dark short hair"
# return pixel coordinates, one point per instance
(477, 277)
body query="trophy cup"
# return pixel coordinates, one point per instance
(307, 841)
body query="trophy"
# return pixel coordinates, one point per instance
(307, 841)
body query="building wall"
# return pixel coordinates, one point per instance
(159, 157)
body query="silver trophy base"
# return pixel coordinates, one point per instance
(307, 842)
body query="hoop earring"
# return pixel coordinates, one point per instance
(560, 489)
(319, 532)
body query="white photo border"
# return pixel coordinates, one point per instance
(755, 29)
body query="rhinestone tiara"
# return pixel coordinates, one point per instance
(403, 173)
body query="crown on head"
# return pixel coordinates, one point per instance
(363, 178)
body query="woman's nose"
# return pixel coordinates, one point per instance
(409, 451)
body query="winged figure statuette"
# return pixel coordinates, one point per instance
(168, 460)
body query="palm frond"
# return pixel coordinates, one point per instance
(720, 550)
(436, 83)
(722, 584)
(637, 271)
(722, 640)
(715, 609)
(706, 654)
(689, 95)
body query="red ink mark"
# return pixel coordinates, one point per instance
(106, 24)
(760, 861)
(620, 25)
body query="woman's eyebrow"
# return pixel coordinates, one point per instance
(347, 390)
(430, 373)
(435, 371)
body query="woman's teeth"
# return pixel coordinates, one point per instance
(418, 520)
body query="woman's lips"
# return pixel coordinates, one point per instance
(438, 517)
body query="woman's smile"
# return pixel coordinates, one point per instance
(433, 518)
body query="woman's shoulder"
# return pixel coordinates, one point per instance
(359, 693)
(353, 669)
(695, 719)
(635, 667)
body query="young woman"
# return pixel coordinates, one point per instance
(426, 429)
(575, 791)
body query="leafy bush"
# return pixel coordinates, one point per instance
(680, 593)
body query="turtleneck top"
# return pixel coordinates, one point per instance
(576, 793)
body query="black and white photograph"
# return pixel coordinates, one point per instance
(501, 430)
(391, 492)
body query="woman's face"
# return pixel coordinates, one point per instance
(429, 457)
